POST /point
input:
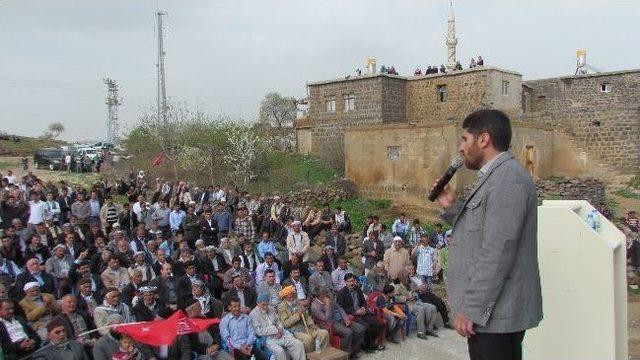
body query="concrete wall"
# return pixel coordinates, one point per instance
(303, 140)
(423, 153)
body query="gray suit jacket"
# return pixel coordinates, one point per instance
(493, 277)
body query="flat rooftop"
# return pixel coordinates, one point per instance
(580, 76)
(411, 77)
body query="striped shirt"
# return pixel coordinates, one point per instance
(426, 258)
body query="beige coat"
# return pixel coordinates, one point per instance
(304, 245)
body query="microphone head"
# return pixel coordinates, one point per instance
(457, 162)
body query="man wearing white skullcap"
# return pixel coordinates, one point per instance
(396, 258)
(298, 241)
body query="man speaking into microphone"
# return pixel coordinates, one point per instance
(493, 282)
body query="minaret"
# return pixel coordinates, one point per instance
(451, 39)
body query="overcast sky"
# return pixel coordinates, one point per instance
(223, 56)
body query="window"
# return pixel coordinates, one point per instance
(566, 85)
(393, 152)
(330, 104)
(349, 101)
(606, 87)
(505, 88)
(441, 91)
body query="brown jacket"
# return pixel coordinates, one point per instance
(34, 313)
(293, 319)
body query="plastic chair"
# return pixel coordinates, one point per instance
(334, 339)
(373, 308)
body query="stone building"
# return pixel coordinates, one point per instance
(396, 133)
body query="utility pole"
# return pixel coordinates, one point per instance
(112, 101)
(162, 89)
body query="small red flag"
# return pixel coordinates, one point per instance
(158, 159)
(164, 332)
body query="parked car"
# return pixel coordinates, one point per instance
(92, 153)
(49, 158)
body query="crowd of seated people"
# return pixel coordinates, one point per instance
(74, 264)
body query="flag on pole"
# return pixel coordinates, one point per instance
(158, 159)
(164, 332)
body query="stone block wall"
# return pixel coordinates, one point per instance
(563, 93)
(467, 90)
(606, 125)
(393, 99)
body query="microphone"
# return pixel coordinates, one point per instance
(456, 164)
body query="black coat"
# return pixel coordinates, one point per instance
(49, 286)
(209, 233)
(184, 287)
(143, 313)
(341, 246)
(82, 304)
(163, 289)
(250, 297)
(12, 350)
(74, 276)
(129, 292)
(346, 302)
(207, 266)
(327, 263)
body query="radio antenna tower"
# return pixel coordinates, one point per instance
(162, 89)
(112, 101)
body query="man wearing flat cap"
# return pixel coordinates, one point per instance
(59, 266)
(111, 305)
(87, 299)
(151, 307)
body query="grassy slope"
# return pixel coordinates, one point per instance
(292, 172)
(27, 145)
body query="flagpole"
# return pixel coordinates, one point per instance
(36, 353)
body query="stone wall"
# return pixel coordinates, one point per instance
(394, 96)
(400, 137)
(606, 125)
(562, 93)
(467, 91)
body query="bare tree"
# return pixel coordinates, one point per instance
(276, 115)
(172, 134)
(54, 130)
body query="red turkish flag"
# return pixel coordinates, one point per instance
(158, 159)
(164, 332)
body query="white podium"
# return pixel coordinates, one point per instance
(584, 287)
